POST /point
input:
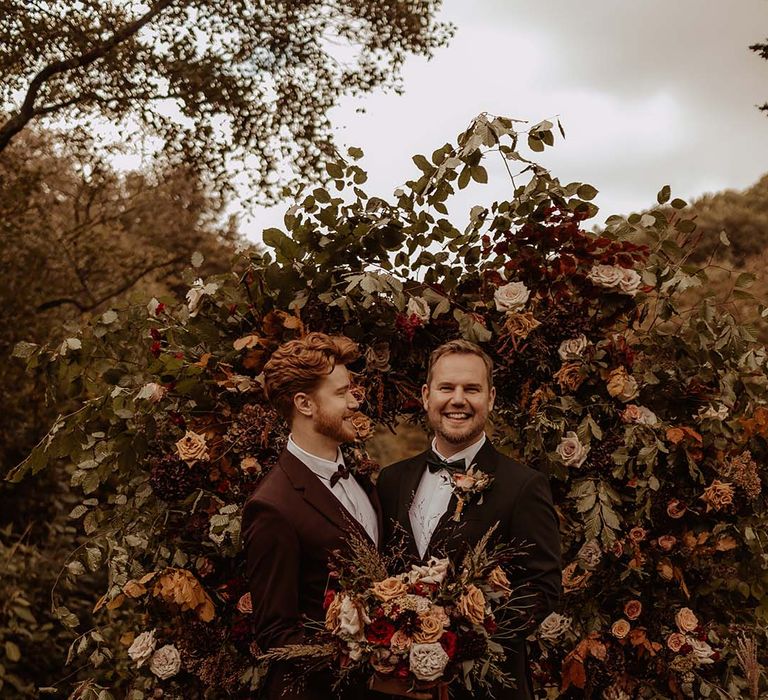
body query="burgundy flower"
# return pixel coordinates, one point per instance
(330, 594)
(449, 642)
(380, 632)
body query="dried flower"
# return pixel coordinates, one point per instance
(676, 641)
(554, 626)
(638, 414)
(711, 413)
(511, 297)
(686, 620)
(573, 578)
(471, 604)
(427, 661)
(520, 324)
(570, 376)
(573, 347)
(622, 385)
(571, 451)
(142, 648)
(363, 426)
(665, 569)
(620, 628)
(383, 661)
(637, 534)
(633, 609)
(590, 554)
(333, 614)
(352, 619)
(192, 447)
(499, 582)
(180, 587)
(434, 571)
(250, 465)
(152, 392)
(165, 662)
(718, 495)
(742, 470)
(400, 642)
(676, 509)
(667, 542)
(245, 605)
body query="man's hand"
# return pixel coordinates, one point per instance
(398, 686)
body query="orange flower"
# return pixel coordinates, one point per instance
(472, 604)
(718, 495)
(569, 376)
(632, 609)
(675, 435)
(676, 641)
(180, 587)
(620, 628)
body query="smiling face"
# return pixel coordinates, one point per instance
(332, 406)
(458, 401)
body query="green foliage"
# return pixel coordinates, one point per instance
(651, 418)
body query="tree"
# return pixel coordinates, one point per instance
(651, 420)
(762, 51)
(214, 80)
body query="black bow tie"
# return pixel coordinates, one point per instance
(436, 463)
(342, 472)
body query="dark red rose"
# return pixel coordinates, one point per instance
(154, 334)
(329, 596)
(402, 671)
(380, 632)
(490, 625)
(155, 348)
(448, 641)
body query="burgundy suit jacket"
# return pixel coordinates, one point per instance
(519, 500)
(291, 523)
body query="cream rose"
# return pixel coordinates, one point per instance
(431, 626)
(419, 307)
(573, 347)
(590, 554)
(377, 356)
(389, 589)
(622, 385)
(607, 276)
(472, 604)
(554, 626)
(434, 571)
(638, 414)
(571, 451)
(142, 648)
(702, 652)
(686, 620)
(196, 293)
(427, 661)
(192, 447)
(165, 662)
(511, 297)
(676, 641)
(352, 618)
(630, 282)
(620, 628)
(152, 392)
(400, 642)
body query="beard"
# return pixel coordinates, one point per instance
(334, 427)
(456, 436)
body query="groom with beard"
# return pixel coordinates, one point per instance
(417, 495)
(303, 509)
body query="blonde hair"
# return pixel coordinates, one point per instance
(460, 347)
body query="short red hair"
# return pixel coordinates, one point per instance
(299, 365)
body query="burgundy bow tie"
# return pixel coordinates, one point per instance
(342, 472)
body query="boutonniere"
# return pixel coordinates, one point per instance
(468, 484)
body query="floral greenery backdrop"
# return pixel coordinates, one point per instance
(651, 419)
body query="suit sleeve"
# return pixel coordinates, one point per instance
(534, 521)
(273, 557)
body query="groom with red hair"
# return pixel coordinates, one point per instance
(303, 509)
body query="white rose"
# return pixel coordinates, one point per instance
(351, 619)
(608, 276)
(152, 392)
(573, 347)
(511, 297)
(434, 571)
(166, 662)
(419, 307)
(630, 282)
(702, 652)
(142, 648)
(427, 661)
(554, 626)
(571, 451)
(196, 293)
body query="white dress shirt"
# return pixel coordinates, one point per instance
(433, 495)
(347, 491)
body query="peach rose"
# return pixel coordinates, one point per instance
(571, 451)
(620, 628)
(431, 626)
(400, 642)
(499, 582)
(676, 642)
(718, 495)
(569, 376)
(667, 542)
(632, 609)
(686, 620)
(389, 589)
(622, 385)
(637, 534)
(363, 426)
(472, 604)
(520, 325)
(192, 447)
(573, 579)
(245, 605)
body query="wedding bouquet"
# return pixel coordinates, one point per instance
(430, 625)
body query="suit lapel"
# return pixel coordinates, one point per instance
(370, 490)
(316, 494)
(485, 461)
(409, 482)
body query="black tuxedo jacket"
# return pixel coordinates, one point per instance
(291, 523)
(519, 500)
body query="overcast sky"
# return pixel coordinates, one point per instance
(650, 92)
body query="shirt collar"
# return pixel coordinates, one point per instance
(467, 454)
(324, 468)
